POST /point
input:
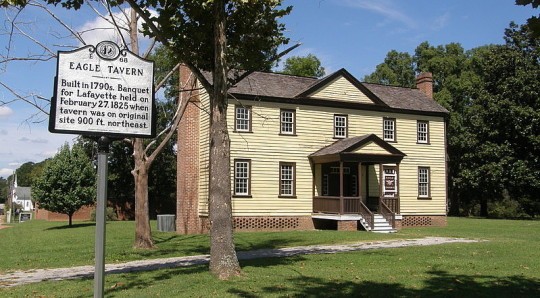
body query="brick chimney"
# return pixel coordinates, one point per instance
(187, 191)
(424, 82)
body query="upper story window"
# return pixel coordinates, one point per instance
(424, 182)
(340, 126)
(422, 132)
(242, 118)
(242, 177)
(287, 179)
(389, 129)
(287, 122)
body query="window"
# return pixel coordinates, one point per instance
(242, 177)
(423, 182)
(422, 128)
(242, 118)
(288, 122)
(325, 184)
(389, 129)
(340, 126)
(287, 179)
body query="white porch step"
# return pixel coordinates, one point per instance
(381, 225)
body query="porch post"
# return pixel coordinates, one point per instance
(341, 187)
(398, 195)
(381, 181)
(359, 181)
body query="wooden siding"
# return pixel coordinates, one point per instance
(204, 143)
(371, 148)
(265, 147)
(342, 89)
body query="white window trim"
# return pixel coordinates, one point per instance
(248, 119)
(345, 127)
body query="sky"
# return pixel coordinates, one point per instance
(351, 34)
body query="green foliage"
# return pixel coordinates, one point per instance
(308, 66)
(397, 69)
(28, 172)
(253, 32)
(67, 183)
(504, 266)
(533, 22)
(4, 190)
(493, 129)
(110, 214)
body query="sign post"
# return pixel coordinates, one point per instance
(103, 92)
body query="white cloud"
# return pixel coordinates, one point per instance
(46, 154)
(5, 111)
(100, 29)
(441, 21)
(3, 132)
(385, 8)
(35, 140)
(5, 172)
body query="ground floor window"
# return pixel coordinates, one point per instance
(242, 177)
(423, 182)
(287, 179)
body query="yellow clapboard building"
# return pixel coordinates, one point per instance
(311, 153)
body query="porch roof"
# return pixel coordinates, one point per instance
(350, 150)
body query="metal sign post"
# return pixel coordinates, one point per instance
(99, 272)
(103, 92)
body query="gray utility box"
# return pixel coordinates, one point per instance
(166, 223)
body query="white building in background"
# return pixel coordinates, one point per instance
(21, 196)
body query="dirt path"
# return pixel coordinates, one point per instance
(32, 276)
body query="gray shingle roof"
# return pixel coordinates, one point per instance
(276, 85)
(405, 98)
(339, 146)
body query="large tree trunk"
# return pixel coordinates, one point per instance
(223, 259)
(143, 232)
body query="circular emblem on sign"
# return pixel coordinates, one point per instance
(107, 50)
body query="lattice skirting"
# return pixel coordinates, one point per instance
(423, 221)
(269, 223)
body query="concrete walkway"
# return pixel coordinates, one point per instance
(32, 276)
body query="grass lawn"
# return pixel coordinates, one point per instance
(506, 265)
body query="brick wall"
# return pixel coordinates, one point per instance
(187, 220)
(424, 221)
(82, 214)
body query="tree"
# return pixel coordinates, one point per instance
(533, 22)
(67, 183)
(308, 66)
(229, 39)
(505, 118)
(397, 69)
(4, 189)
(144, 152)
(221, 37)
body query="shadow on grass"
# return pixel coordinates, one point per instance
(439, 284)
(137, 281)
(73, 226)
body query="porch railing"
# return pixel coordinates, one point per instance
(385, 211)
(391, 203)
(367, 215)
(336, 205)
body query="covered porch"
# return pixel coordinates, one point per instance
(356, 179)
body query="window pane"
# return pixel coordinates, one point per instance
(423, 182)
(242, 115)
(241, 177)
(287, 122)
(389, 129)
(340, 126)
(286, 179)
(422, 128)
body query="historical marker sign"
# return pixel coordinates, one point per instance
(103, 90)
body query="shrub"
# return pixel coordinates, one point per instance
(110, 214)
